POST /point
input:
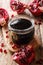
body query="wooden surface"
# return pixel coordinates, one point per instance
(5, 59)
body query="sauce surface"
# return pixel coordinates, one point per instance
(20, 24)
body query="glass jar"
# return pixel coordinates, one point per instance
(22, 28)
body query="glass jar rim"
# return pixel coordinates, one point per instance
(24, 31)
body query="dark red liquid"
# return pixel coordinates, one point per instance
(21, 24)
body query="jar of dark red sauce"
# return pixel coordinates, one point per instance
(22, 28)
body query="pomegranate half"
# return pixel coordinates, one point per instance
(24, 56)
(17, 6)
(34, 7)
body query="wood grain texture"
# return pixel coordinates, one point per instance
(41, 31)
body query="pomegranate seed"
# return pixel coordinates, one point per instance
(7, 36)
(5, 51)
(11, 43)
(2, 44)
(39, 23)
(12, 15)
(35, 23)
(1, 50)
(14, 46)
(6, 32)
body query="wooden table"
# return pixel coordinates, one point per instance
(5, 59)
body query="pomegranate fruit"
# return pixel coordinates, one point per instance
(34, 7)
(4, 17)
(18, 6)
(24, 56)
